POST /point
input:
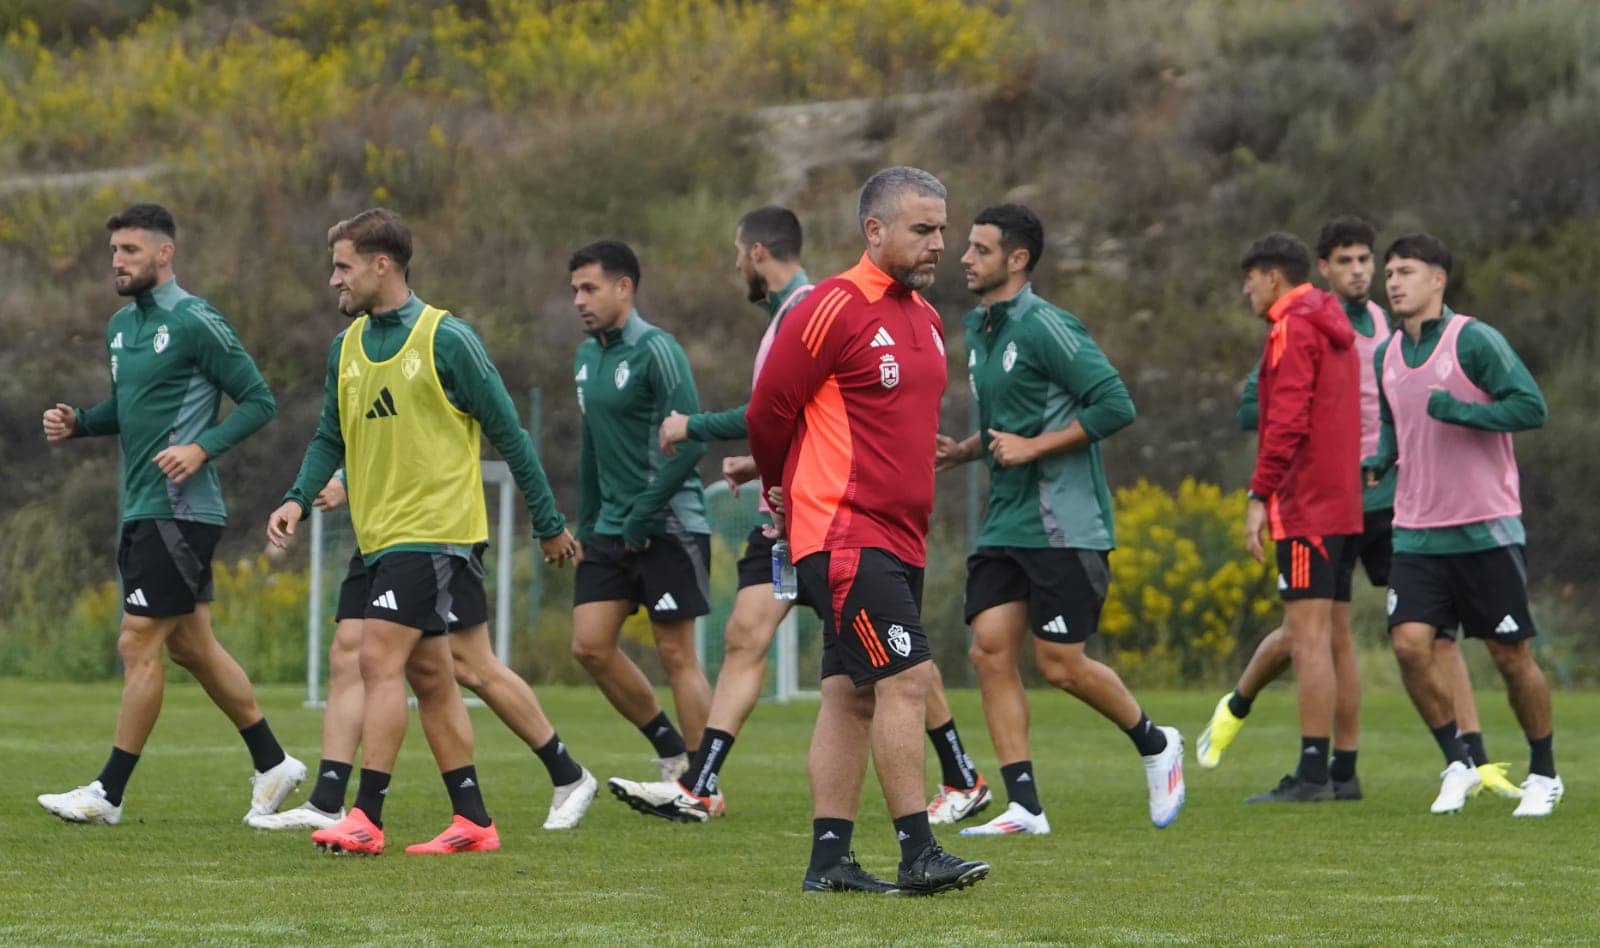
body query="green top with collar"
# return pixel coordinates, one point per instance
(172, 357)
(1034, 368)
(729, 425)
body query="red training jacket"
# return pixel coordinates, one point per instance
(845, 414)
(1310, 422)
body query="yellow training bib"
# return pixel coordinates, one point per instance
(411, 457)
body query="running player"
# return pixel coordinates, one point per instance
(1451, 392)
(1046, 399)
(477, 668)
(641, 514)
(854, 376)
(1345, 259)
(172, 357)
(1304, 488)
(767, 246)
(405, 381)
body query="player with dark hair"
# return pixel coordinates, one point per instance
(172, 358)
(1047, 397)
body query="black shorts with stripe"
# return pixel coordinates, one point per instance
(166, 566)
(671, 577)
(1485, 593)
(469, 600)
(1064, 589)
(870, 604)
(1317, 567)
(414, 589)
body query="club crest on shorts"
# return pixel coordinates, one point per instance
(411, 363)
(162, 338)
(899, 640)
(621, 375)
(1392, 601)
(1008, 361)
(888, 371)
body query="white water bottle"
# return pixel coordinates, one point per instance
(785, 584)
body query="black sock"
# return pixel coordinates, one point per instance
(954, 763)
(1313, 766)
(114, 775)
(701, 777)
(914, 834)
(1020, 787)
(1446, 737)
(563, 769)
(663, 736)
(1542, 755)
(264, 750)
(1344, 765)
(333, 779)
(371, 790)
(830, 842)
(1239, 705)
(466, 797)
(1150, 739)
(1477, 756)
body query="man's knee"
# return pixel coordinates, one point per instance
(1411, 648)
(139, 641)
(675, 645)
(592, 654)
(1511, 658)
(428, 673)
(1064, 667)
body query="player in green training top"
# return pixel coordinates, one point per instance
(641, 514)
(1046, 398)
(409, 391)
(172, 357)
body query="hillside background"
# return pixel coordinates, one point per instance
(1155, 138)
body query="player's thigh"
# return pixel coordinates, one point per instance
(386, 647)
(597, 625)
(755, 619)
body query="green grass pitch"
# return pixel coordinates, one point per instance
(182, 868)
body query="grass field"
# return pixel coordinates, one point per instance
(182, 868)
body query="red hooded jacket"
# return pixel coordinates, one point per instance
(1310, 422)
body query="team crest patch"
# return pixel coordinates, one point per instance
(621, 375)
(1444, 368)
(410, 363)
(161, 339)
(1008, 361)
(1393, 600)
(888, 371)
(899, 640)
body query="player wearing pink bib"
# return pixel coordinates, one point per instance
(1451, 393)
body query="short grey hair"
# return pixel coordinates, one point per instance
(880, 196)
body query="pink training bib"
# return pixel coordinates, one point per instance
(1449, 474)
(761, 359)
(1366, 351)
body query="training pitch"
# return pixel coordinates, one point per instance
(182, 868)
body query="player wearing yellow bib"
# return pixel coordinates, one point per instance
(408, 393)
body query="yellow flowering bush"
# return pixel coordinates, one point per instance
(1184, 593)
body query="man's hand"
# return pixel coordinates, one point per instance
(281, 524)
(561, 548)
(1441, 404)
(739, 470)
(1255, 529)
(331, 497)
(674, 428)
(1011, 450)
(180, 461)
(948, 453)
(60, 422)
(1371, 477)
(779, 528)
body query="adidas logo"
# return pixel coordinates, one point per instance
(583, 375)
(383, 405)
(467, 784)
(561, 747)
(663, 729)
(1507, 626)
(882, 338)
(136, 598)
(666, 603)
(451, 617)
(1312, 752)
(902, 835)
(827, 836)
(330, 774)
(352, 372)
(384, 792)
(1025, 778)
(1056, 626)
(116, 343)
(387, 601)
